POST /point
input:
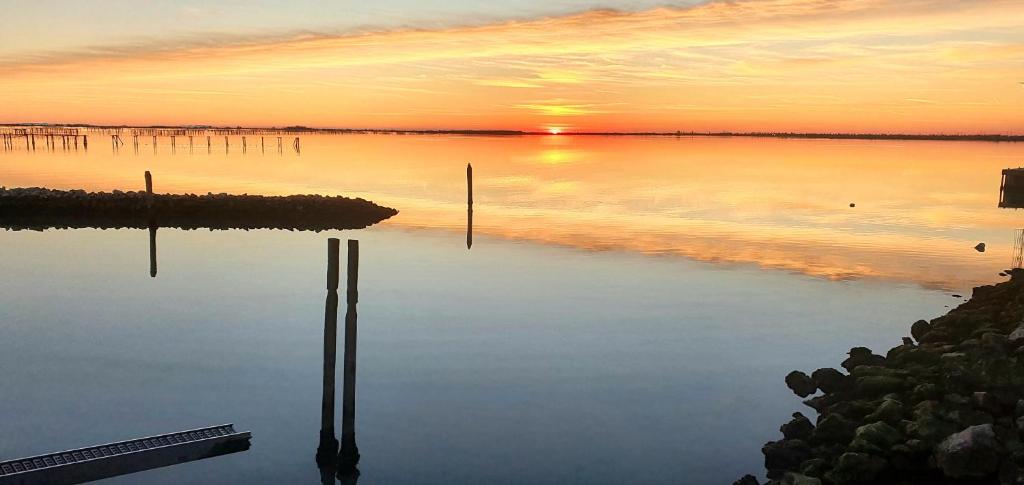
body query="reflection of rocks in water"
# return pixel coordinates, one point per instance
(946, 409)
(38, 208)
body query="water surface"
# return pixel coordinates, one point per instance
(626, 313)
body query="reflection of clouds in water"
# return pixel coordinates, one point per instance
(780, 204)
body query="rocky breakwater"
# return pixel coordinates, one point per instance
(944, 407)
(40, 208)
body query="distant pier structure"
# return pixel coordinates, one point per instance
(65, 138)
(32, 138)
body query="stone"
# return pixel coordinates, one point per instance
(919, 329)
(862, 356)
(973, 453)
(980, 247)
(799, 428)
(854, 467)
(874, 386)
(784, 455)
(830, 380)
(1017, 335)
(833, 428)
(800, 383)
(924, 392)
(890, 411)
(876, 438)
(815, 467)
(746, 480)
(799, 479)
(930, 429)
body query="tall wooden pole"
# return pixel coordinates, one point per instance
(325, 453)
(348, 457)
(469, 206)
(152, 247)
(152, 224)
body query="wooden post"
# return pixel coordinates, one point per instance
(469, 206)
(209, 146)
(325, 453)
(33, 142)
(348, 457)
(149, 191)
(225, 144)
(152, 247)
(245, 145)
(263, 146)
(85, 142)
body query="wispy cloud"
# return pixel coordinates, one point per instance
(814, 64)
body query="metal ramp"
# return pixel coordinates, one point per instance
(124, 457)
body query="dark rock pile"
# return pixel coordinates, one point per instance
(945, 407)
(39, 208)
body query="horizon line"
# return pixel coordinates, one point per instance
(997, 137)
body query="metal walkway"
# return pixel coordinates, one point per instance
(123, 457)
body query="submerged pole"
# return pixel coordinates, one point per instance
(325, 453)
(348, 457)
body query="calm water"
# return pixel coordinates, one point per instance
(626, 314)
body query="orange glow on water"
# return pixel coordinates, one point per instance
(779, 204)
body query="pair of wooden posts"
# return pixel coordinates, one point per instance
(327, 454)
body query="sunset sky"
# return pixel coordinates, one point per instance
(757, 65)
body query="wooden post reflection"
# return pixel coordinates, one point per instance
(152, 248)
(325, 453)
(469, 206)
(348, 457)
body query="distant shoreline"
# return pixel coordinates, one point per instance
(753, 134)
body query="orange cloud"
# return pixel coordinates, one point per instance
(854, 65)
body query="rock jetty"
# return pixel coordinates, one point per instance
(40, 208)
(944, 407)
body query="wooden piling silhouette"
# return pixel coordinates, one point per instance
(152, 247)
(469, 206)
(152, 224)
(348, 457)
(209, 145)
(326, 451)
(225, 144)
